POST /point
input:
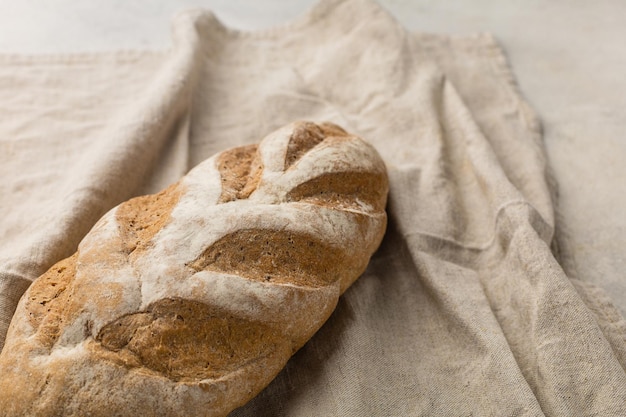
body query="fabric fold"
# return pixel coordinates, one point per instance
(464, 310)
(122, 130)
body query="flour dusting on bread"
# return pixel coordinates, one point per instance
(191, 300)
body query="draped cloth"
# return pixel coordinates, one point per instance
(465, 308)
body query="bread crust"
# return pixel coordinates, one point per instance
(190, 301)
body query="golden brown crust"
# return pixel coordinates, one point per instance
(240, 170)
(48, 297)
(343, 189)
(140, 218)
(275, 256)
(185, 340)
(190, 301)
(305, 136)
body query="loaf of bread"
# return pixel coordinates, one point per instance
(190, 301)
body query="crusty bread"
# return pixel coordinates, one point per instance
(190, 301)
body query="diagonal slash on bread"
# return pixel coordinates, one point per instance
(190, 301)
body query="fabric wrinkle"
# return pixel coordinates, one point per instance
(467, 308)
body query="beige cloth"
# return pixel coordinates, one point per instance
(464, 310)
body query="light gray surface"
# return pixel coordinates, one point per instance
(569, 58)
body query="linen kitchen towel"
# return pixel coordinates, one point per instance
(464, 310)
